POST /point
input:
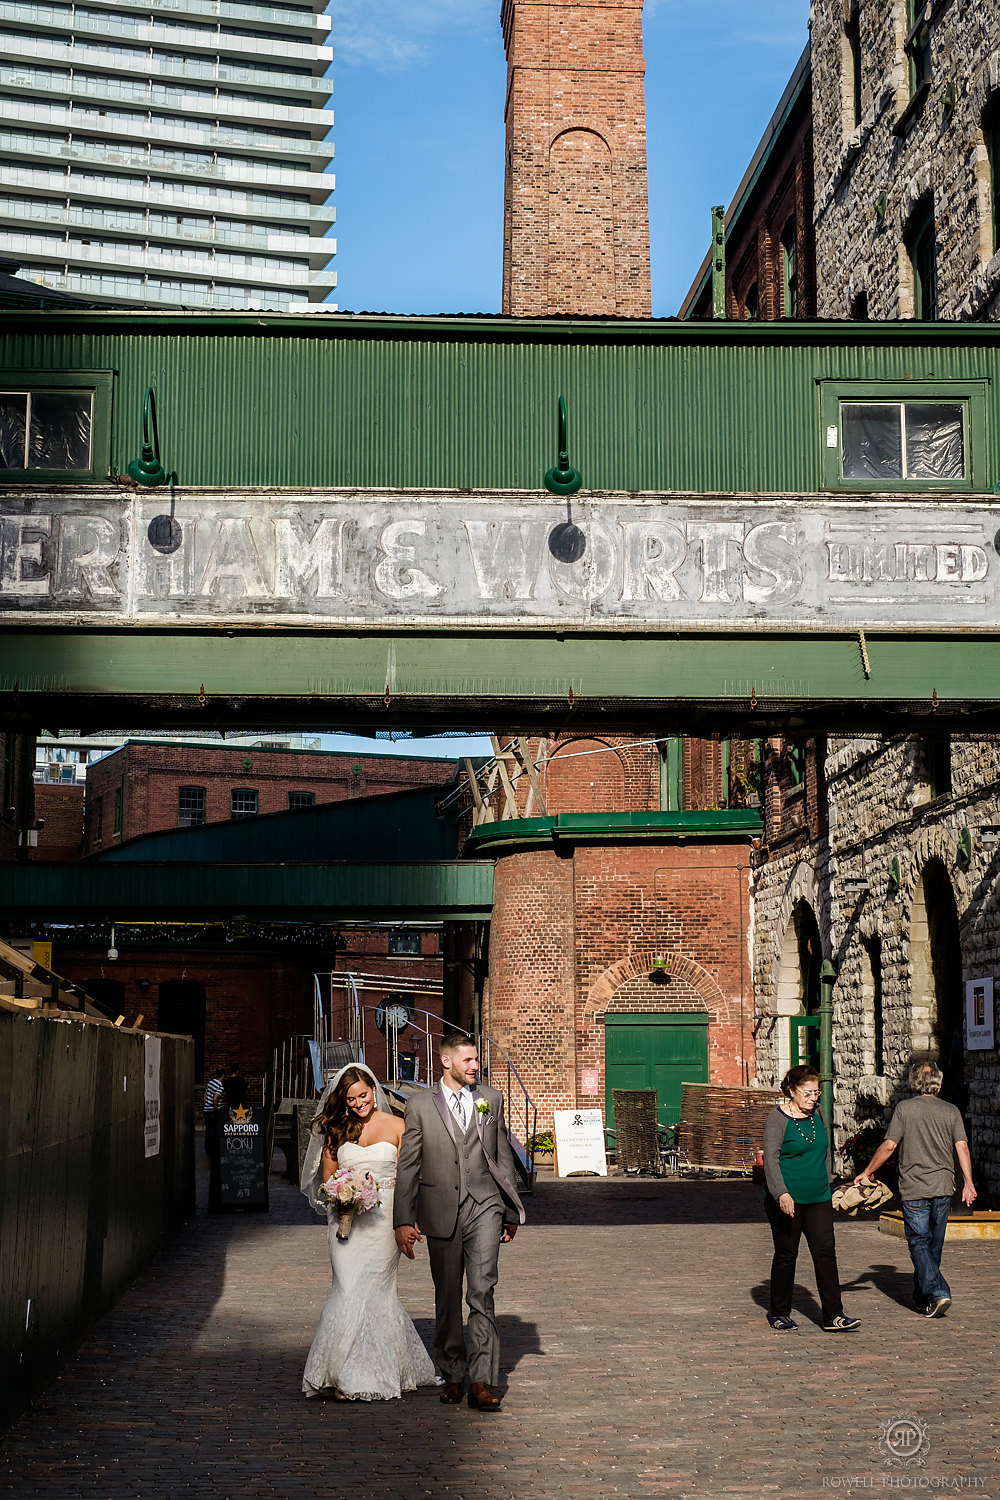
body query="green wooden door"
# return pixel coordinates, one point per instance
(661, 1051)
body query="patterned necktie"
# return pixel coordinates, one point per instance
(456, 1104)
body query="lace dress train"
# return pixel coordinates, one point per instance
(366, 1346)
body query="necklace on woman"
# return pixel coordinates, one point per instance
(810, 1138)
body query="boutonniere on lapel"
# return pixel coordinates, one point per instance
(482, 1108)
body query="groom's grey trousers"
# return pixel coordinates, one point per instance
(474, 1250)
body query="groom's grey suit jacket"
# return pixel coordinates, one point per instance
(428, 1174)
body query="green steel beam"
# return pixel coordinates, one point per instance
(606, 828)
(472, 679)
(461, 891)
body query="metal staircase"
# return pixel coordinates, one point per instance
(303, 1061)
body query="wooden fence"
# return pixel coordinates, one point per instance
(82, 1207)
(723, 1127)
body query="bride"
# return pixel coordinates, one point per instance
(366, 1347)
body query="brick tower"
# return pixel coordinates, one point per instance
(576, 210)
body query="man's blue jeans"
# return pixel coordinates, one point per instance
(925, 1221)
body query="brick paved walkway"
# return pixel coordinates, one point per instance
(635, 1347)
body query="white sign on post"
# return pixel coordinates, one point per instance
(151, 1060)
(580, 1142)
(979, 1015)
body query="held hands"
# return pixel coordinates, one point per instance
(787, 1205)
(509, 1231)
(407, 1236)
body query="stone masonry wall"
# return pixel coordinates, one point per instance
(913, 147)
(881, 810)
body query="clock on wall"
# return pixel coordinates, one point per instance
(392, 1014)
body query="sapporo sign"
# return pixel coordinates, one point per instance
(643, 562)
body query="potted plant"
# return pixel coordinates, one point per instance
(543, 1146)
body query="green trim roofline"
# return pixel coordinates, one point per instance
(610, 828)
(489, 328)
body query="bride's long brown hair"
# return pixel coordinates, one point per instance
(336, 1123)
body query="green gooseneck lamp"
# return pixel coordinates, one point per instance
(147, 469)
(563, 480)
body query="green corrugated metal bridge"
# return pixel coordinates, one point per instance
(417, 892)
(191, 873)
(673, 414)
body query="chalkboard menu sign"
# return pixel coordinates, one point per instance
(243, 1166)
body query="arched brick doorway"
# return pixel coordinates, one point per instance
(655, 1049)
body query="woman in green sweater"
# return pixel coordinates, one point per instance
(797, 1201)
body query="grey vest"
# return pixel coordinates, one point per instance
(475, 1179)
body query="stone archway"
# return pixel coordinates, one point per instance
(937, 1001)
(796, 991)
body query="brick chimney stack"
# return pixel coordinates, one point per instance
(576, 209)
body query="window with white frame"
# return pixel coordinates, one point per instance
(243, 802)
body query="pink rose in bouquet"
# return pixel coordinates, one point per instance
(350, 1192)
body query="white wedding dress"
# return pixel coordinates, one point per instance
(366, 1346)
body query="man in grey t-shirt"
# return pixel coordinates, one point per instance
(929, 1134)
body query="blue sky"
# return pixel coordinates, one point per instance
(418, 98)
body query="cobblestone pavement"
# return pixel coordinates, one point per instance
(636, 1358)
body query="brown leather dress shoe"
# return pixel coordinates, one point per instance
(452, 1393)
(481, 1398)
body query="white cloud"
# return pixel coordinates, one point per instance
(397, 34)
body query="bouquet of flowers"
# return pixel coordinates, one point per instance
(350, 1192)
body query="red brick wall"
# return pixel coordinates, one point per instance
(530, 1006)
(753, 243)
(17, 816)
(703, 774)
(576, 212)
(795, 812)
(574, 936)
(61, 807)
(153, 773)
(602, 775)
(378, 974)
(255, 1000)
(621, 773)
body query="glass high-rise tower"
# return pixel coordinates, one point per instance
(167, 153)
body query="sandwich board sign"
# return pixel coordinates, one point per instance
(580, 1142)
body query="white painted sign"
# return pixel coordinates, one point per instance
(979, 1031)
(580, 1142)
(354, 558)
(151, 1061)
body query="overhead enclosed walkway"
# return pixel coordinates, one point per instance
(427, 892)
(362, 528)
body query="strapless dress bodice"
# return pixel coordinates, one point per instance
(379, 1159)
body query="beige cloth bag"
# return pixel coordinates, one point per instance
(852, 1196)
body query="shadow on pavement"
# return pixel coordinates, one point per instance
(895, 1283)
(644, 1200)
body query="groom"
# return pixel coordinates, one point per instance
(455, 1180)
